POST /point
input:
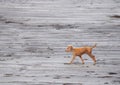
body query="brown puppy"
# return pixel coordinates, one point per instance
(80, 51)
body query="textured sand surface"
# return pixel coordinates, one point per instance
(35, 33)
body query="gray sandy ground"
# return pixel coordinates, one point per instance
(35, 33)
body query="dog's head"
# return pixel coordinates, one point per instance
(69, 48)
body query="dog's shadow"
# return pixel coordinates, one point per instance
(66, 63)
(75, 63)
(78, 64)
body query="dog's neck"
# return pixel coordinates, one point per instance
(72, 50)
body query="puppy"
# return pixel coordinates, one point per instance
(80, 51)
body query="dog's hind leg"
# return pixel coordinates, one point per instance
(93, 57)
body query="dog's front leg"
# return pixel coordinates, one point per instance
(73, 58)
(81, 59)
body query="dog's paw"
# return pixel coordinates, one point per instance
(67, 63)
(94, 63)
(83, 63)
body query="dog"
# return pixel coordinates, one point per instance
(80, 51)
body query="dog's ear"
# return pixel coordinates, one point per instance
(71, 47)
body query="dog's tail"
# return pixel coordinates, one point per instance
(94, 45)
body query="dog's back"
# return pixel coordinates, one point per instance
(82, 50)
